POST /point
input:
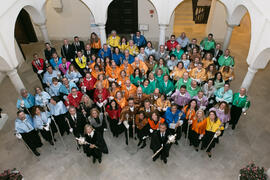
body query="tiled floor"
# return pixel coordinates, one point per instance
(250, 141)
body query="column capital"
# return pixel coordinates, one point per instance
(252, 70)
(231, 25)
(163, 26)
(12, 72)
(101, 25)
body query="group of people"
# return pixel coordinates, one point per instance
(181, 89)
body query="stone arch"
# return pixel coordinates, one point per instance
(4, 66)
(237, 14)
(262, 59)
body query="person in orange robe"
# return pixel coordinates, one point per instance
(155, 121)
(112, 71)
(103, 80)
(190, 112)
(197, 131)
(140, 97)
(139, 64)
(113, 89)
(129, 89)
(122, 78)
(96, 71)
(127, 67)
(121, 101)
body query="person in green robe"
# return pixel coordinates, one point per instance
(178, 52)
(166, 86)
(162, 65)
(183, 81)
(208, 44)
(159, 75)
(193, 89)
(240, 104)
(152, 81)
(146, 88)
(226, 59)
(136, 78)
(218, 81)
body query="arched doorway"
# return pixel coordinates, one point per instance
(24, 31)
(122, 16)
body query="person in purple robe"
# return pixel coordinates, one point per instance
(202, 100)
(181, 97)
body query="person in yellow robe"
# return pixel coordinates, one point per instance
(139, 64)
(211, 71)
(207, 60)
(133, 49)
(212, 131)
(123, 44)
(162, 103)
(122, 78)
(128, 89)
(120, 99)
(178, 71)
(198, 74)
(227, 73)
(113, 40)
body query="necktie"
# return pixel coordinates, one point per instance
(66, 47)
(64, 66)
(74, 118)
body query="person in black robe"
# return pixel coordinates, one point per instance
(67, 50)
(159, 139)
(76, 121)
(78, 46)
(48, 51)
(94, 144)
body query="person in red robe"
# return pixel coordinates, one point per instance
(88, 84)
(74, 98)
(101, 96)
(39, 66)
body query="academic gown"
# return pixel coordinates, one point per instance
(77, 124)
(157, 141)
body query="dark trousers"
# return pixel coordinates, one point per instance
(207, 139)
(114, 126)
(62, 124)
(95, 152)
(194, 138)
(32, 139)
(164, 153)
(235, 115)
(177, 131)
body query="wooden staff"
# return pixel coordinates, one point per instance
(187, 133)
(217, 132)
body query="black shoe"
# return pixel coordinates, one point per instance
(165, 160)
(140, 142)
(197, 149)
(144, 144)
(54, 140)
(99, 160)
(116, 135)
(176, 142)
(209, 154)
(155, 158)
(126, 142)
(233, 127)
(36, 153)
(94, 160)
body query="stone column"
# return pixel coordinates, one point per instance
(249, 77)
(228, 36)
(162, 33)
(102, 32)
(44, 32)
(15, 79)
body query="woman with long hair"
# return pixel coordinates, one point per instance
(207, 60)
(42, 98)
(95, 43)
(190, 112)
(96, 119)
(73, 74)
(197, 131)
(123, 44)
(102, 78)
(178, 71)
(120, 99)
(227, 73)
(142, 129)
(136, 78)
(162, 65)
(212, 131)
(113, 110)
(149, 50)
(150, 63)
(218, 81)
(86, 105)
(43, 123)
(211, 71)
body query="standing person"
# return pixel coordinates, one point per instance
(159, 139)
(127, 117)
(64, 66)
(55, 87)
(202, 101)
(240, 104)
(78, 46)
(175, 118)
(42, 98)
(142, 128)
(181, 97)
(73, 75)
(224, 94)
(197, 131)
(208, 44)
(42, 123)
(94, 144)
(183, 41)
(178, 71)
(190, 112)
(49, 75)
(213, 128)
(178, 52)
(55, 61)
(113, 110)
(66, 88)
(58, 110)
(67, 50)
(76, 121)
(26, 101)
(139, 40)
(96, 119)
(123, 44)
(113, 39)
(117, 56)
(88, 84)
(25, 130)
(171, 44)
(166, 86)
(74, 98)
(226, 59)
(95, 43)
(162, 53)
(105, 52)
(86, 105)
(38, 66)
(101, 96)
(149, 49)
(48, 51)
(80, 62)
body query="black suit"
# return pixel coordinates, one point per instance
(191, 46)
(79, 47)
(157, 141)
(77, 124)
(48, 54)
(88, 54)
(217, 54)
(67, 52)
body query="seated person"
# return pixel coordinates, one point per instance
(224, 94)
(113, 39)
(139, 40)
(226, 59)
(132, 48)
